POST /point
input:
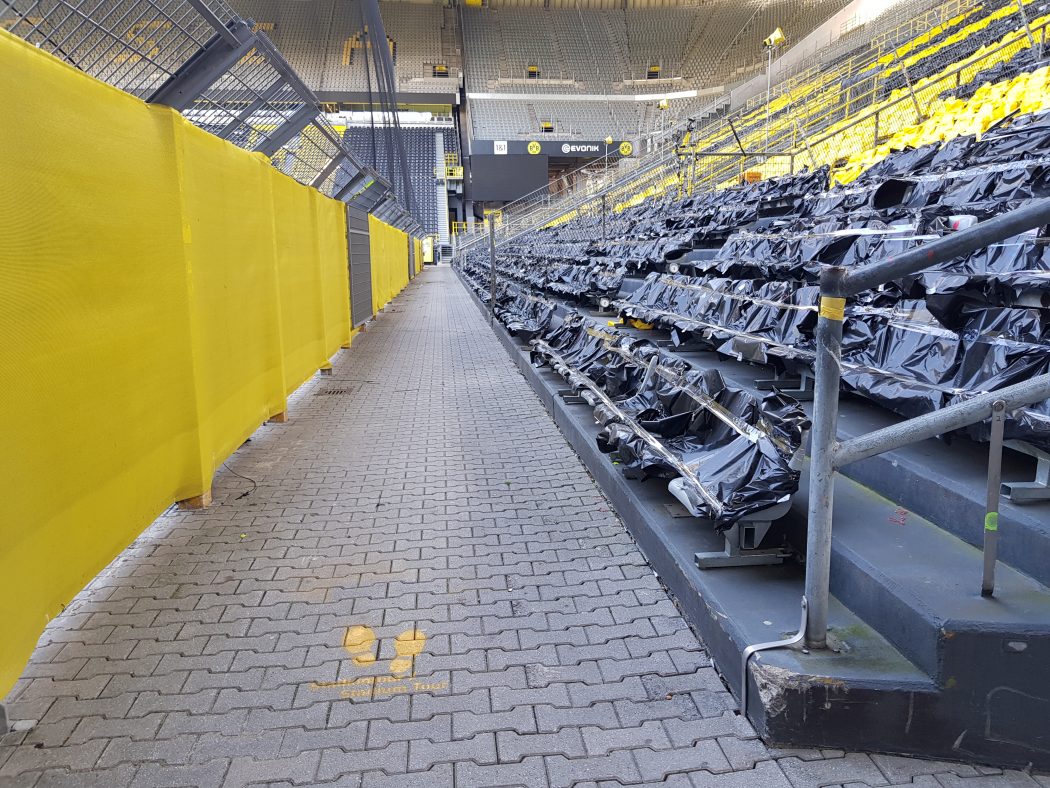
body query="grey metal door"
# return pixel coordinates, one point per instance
(360, 265)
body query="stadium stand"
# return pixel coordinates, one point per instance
(607, 52)
(712, 265)
(604, 51)
(522, 119)
(322, 41)
(885, 90)
(801, 343)
(421, 147)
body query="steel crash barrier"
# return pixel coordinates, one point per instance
(164, 291)
(838, 284)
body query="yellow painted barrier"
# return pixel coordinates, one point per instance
(161, 293)
(389, 253)
(418, 247)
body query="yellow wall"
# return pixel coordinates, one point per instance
(388, 247)
(161, 292)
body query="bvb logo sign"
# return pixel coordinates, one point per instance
(626, 148)
(534, 147)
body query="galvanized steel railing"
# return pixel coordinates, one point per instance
(827, 454)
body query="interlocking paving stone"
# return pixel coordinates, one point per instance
(436, 496)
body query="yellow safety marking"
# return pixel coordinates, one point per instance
(833, 308)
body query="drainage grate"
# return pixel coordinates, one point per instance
(333, 392)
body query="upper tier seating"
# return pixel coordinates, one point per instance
(589, 120)
(420, 150)
(599, 51)
(967, 72)
(321, 40)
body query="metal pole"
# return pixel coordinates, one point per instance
(769, 84)
(603, 218)
(919, 117)
(991, 516)
(1024, 19)
(930, 425)
(948, 247)
(821, 463)
(492, 269)
(805, 143)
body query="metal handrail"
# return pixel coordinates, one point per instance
(876, 112)
(826, 453)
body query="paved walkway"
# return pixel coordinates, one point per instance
(413, 582)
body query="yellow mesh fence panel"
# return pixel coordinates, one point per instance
(160, 293)
(235, 323)
(389, 252)
(335, 276)
(298, 271)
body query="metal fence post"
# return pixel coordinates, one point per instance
(1024, 20)
(919, 116)
(822, 452)
(991, 516)
(492, 268)
(603, 218)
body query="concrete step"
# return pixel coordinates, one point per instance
(908, 535)
(941, 481)
(919, 586)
